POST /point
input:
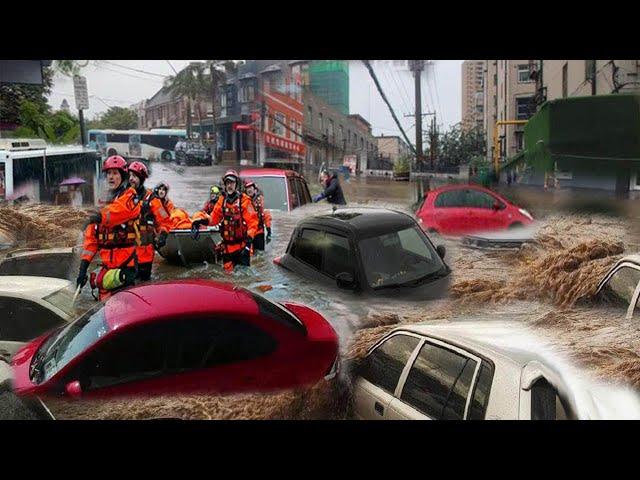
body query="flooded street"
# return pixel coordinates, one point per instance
(543, 289)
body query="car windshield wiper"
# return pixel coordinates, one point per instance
(414, 283)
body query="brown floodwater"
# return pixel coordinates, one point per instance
(544, 288)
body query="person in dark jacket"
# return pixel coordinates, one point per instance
(332, 189)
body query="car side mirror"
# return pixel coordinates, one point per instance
(441, 251)
(345, 281)
(73, 389)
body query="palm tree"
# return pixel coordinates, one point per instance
(190, 82)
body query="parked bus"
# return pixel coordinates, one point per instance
(32, 171)
(157, 144)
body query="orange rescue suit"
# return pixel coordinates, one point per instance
(156, 220)
(264, 216)
(115, 237)
(237, 218)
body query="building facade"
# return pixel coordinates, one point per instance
(329, 80)
(472, 94)
(392, 147)
(261, 115)
(333, 137)
(508, 95)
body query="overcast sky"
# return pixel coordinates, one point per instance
(125, 82)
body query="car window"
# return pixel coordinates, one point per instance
(22, 320)
(384, 365)
(545, 402)
(438, 383)
(399, 258)
(450, 199)
(621, 286)
(210, 342)
(324, 251)
(481, 391)
(477, 199)
(293, 194)
(135, 354)
(337, 255)
(274, 191)
(304, 191)
(308, 248)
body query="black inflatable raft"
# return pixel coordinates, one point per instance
(181, 249)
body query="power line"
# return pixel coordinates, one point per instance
(130, 75)
(172, 67)
(384, 97)
(435, 84)
(402, 97)
(137, 69)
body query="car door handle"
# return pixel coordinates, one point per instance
(379, 408)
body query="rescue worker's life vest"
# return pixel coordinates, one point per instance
(146, 225)
(119, 236)
(234, 229)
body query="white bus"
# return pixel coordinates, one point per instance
(156, 144)
(31, 170)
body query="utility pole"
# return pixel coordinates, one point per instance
(416, 67)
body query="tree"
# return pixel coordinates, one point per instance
(59, 127)
(13, 95)
(457, 146)
(190, 83)
(117, 118)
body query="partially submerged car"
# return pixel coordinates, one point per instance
(621, 285)
(463, 208)
(368, 251)
(50, 262)
(190, 336)
(29, 307)
(427, 372)
(283, 189)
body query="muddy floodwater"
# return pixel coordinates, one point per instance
(544, 289)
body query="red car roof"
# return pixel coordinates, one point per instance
(268, 172)
(146, 303)
(458, 186)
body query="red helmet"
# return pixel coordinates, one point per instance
(140, 169)
(115, 161)
(230, 173)
(249, 183)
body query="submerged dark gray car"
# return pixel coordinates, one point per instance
(369, 251)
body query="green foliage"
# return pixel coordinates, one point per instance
(402, 164)
(59, 127)
(457, 146)
(13, 95)
(117, 118)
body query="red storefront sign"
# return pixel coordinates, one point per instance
(274, 141)
(242, 126)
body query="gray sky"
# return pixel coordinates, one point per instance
(118, 83)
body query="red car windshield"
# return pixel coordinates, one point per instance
(60, 348)
(274, 191)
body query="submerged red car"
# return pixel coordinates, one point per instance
(190, 336)
(460, 209)
(283, 189)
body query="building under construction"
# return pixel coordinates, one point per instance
(329, 80)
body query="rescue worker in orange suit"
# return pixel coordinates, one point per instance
(264, 217)
(111, 234)
(153, 218)
(238, 221)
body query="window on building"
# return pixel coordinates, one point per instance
(341, 132)
(277, 127)
(523, 73)
(519, 140)
(331, 131)
(523, 108)
(310, 115)
(320, 122)
(589, 69)
(565, 80)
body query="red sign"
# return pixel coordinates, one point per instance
(274, 141)
(242, 126)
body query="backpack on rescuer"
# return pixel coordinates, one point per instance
(234, 229)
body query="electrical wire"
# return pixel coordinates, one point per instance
(137, 69)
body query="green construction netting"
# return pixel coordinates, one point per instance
(587, 129)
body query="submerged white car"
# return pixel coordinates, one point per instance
(621, 285)
(29, 307)
(427, 372)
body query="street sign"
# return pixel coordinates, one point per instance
(81, 93)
